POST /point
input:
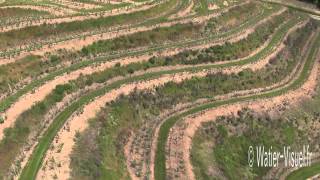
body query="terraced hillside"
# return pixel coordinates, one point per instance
(157, 89)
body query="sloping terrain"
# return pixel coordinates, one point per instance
(156, 89)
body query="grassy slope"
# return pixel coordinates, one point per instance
(305, 172)
(18, 133)
(35, 161)
(4, 104)
(160, 167)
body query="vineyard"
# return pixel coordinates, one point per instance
(157, 89)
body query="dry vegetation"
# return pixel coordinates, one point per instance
(155, 89)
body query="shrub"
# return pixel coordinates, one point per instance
(1, 120)
(54, 59)
(152, 60)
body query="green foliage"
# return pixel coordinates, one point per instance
(316, 2)
(160, 167)
(222, 131)
(15, 137)
(305, 172)
(44, 142)
(13, 38)
(157, 36)
(138, 104)
(54, 59)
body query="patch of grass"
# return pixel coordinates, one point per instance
(36, 158)
(15, 137)
(4, 104)
(16, 37)
(305, 172)
(160, 159)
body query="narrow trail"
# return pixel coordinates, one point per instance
(192, 123)
(236, 69)
(281, 172)
(90, 110)
(157, 69)
(110, 64)
(251, 66)
(154, 144)
(45, 151)
(293, 5)
(78, 44)
(177, 67)
(56, 11)
(255, 66)
(60, 20)
(79, 123)
(52, 10)
(76, 5)
(29, 99)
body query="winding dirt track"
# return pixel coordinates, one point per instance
(78, 44)
(281, 172)
(52, 10)
(253, 66)
(77, 5)
(296, 4)
(192, 123)
(47, 87)
(226, 71)
(145, 57)
(29, 99)
(113, 12)
(79, 123)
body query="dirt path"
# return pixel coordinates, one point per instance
(23, 158)
(177, 132)
(29, 147)
(177, 67)
(297, 4)
(35, 96)
(151, 70)
(79, 123)
(192, 123)
(26, 101)
(127, 153)
(253, 66)
(113, 12)
(315, 17)
(76, 5)
(315, 177)
(57, 11)
(123, 1)
(77, 44)
(281, 172)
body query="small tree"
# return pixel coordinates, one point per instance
(118, 64)
(152, 60)
(1, 120)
